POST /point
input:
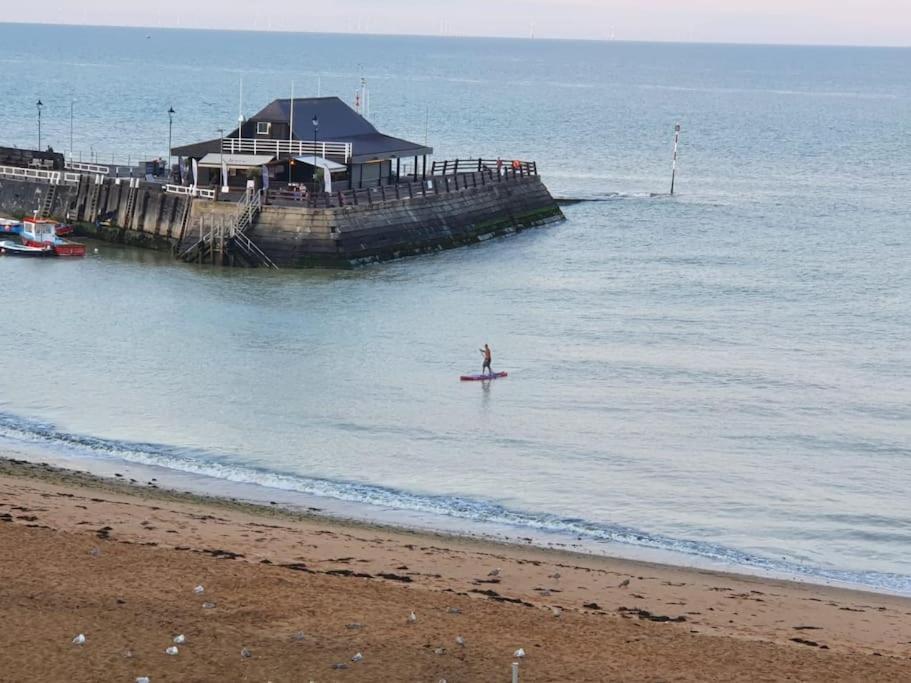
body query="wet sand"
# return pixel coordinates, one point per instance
(302, 595)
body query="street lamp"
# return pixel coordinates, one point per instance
(72, 107)
(171, 113)
(315, 130)
(221, 151)
(39, 104)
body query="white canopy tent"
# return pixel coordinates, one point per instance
(229, 161)
(328, 166)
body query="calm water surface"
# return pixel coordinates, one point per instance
(725, 373)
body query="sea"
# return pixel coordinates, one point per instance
(720, 377)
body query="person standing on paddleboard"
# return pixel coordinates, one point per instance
(488, 356)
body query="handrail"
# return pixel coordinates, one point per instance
(190, 191)
(410, 189)
(343, 150)
(52, 177)
(502, 166)
(88, 168)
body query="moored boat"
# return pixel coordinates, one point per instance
(9, 248)
(10, 226)
(39, 232)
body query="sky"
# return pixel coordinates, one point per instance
(830, 22)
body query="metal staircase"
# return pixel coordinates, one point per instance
(231, 238)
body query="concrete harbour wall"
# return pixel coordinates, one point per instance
(352, 235)
(141, 214)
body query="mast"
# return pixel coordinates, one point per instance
(291, 121)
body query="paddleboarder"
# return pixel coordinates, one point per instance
(488, 356)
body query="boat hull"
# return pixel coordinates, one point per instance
(60, 247)
(12, 249)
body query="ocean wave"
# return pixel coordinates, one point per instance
(221, 466)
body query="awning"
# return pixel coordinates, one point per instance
(320, 162)
(214, 159)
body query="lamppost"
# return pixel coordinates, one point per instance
(315, 131)
(72, 107)
(171, 113)
(221, 152)
(39, 104)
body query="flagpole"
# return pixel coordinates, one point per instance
(291, 123)
(240, 109)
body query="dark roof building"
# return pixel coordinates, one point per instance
(338, 123)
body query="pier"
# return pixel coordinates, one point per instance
(264, 196)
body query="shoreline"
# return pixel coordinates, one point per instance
(209, 488)
(588, 614)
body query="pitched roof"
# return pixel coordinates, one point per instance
(337, 123)
(336, 119)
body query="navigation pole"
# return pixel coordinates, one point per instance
(674, 164)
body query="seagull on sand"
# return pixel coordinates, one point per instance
(412, 618)
(460, 640)
(518, 654)
(624, 583)
(180, 640)
(494, 572)
(199, 590)
(172, 651)
(358, 657)
(79, 640)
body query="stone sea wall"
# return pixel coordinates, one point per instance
(141, 214)
(351, 235)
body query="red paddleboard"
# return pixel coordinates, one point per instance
(483, 378)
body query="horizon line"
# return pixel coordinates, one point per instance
(882, 46)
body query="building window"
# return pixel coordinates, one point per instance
(263, 127)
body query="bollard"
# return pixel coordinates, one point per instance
(515, 672)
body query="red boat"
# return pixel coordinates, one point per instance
(39, 232)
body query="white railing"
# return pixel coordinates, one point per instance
(339, 150)
(52, 177)
(190, 191)
(88, 168)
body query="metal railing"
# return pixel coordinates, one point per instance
(52, 177)
(502, 166)
(190, 191)
(88, 168)
(339, 150)
(403, 190)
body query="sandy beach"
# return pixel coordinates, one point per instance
(288, 597)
